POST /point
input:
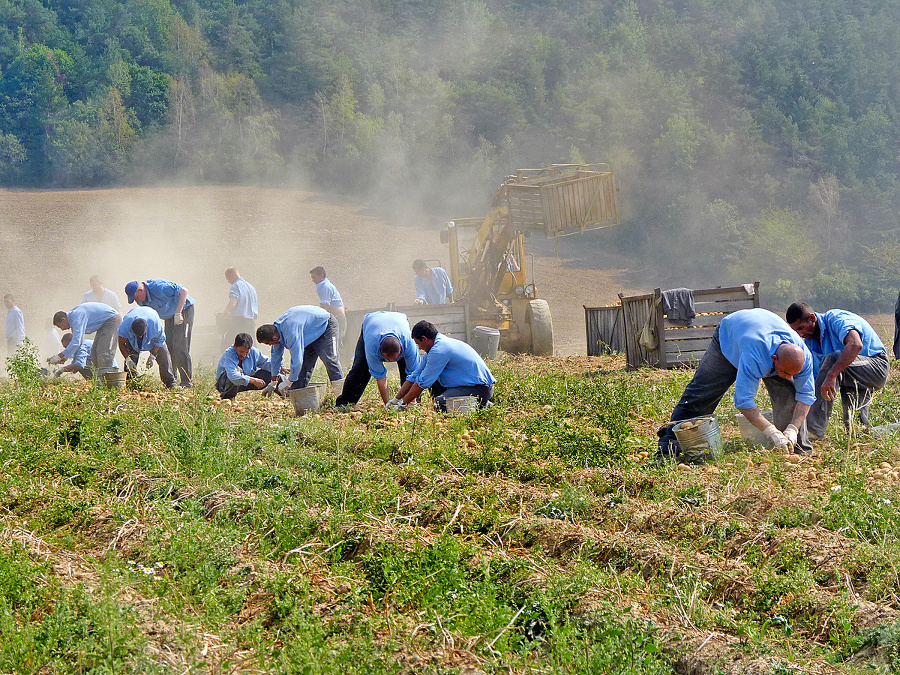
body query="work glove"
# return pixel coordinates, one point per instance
(151, 360)
(179, 318)
(776, 437)
(420, 301)
(791, 434)
(269, 388)
(392, 403)
(131, 363)
(283, 386)
(59, 371)
(55, 359)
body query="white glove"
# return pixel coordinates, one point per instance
(269, 388)
(776, 437)
(59, 371)
(55, 359)
(179, 318)
(791, 434)
(392, 403)
(420, 301)
(151, 360)
(131, 363)
(283, 385)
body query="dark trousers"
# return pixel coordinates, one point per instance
(229, 389)
(358, 377)
(163, 362)
(178, 340)
(324, 347)
(857, 382)
(227, 326)
(897, 329)
(714, 376)
(484, 392)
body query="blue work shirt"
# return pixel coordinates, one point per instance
(162, 295)
(297, 328)
(155, 335)
(238, 372)
(246, 307)
(15, 324)
(86, 318)
(834, 325)
(379, 325)
(328, 294)
(453, 363)
(748, 339)
(434, 291)
(83, 355)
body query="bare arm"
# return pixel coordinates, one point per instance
(182, 298)
(756, 418)
(852, 347)
(383, 388)
(229, 308)
(409, 392)
(123, 347)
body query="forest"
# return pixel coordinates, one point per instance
(751, 140)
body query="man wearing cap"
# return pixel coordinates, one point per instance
(90, 317)
(241, 311)
(142, 330)
(847, 355)
(748, 346)
(385, 337)
(242, 368)
(176, 308)
(450, 368)
(100, 294)
(308, 333)
(329, 298)
(432, 284)
(81, 361)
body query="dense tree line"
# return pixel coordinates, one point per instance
(751, 140)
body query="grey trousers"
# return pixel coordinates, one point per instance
(178, 340)
(857, 383)
(103, 353)
(324, 347)
(714, 376)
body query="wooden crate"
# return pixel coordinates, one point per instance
(605, 329)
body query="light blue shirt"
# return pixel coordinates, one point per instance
(155, 335)
(297, 328)
(162, 295)
(328, 294)
(246, 307)
(453, 363)
(237, 371)
(379, 325)
(748, 339)
(86, 318)
(109, 298)
(15, 324)
(834, 326)
(83, 355)
(434, 291)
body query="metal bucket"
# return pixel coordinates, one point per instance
(700, 438)
(750, 434)
(308, 399)
(114, 379)
(459, 404)
(486, 341)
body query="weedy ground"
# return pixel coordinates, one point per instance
(156, 532)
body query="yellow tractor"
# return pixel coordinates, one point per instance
(490, 277)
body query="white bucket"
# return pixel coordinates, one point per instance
(700, 438)
(750, 434)
(461, 404)
(308, 399)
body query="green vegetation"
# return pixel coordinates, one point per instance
(146, 530)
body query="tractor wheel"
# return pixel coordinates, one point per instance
(537, 316)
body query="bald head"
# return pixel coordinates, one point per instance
(789, 359)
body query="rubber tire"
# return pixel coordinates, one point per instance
(538, 317)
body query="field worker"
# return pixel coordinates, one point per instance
(242, 368)
(81, 361)
(142, 330)
(847, 355)
(385, 337)
(15, 324)
(100, 294)
(450, 368)
(176, 308)
(748, 346)
(329, 298)
(308, 333)
(241, 311)
(432, 284)
(90, 317)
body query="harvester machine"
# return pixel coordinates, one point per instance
(491, 277)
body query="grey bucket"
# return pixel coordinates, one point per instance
(702, 441)
(308, 399)
(486, 341)
(750, 434)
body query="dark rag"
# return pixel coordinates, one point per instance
(678, 306)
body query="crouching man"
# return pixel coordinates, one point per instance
(847, 355)
(142, 330)
(81, 361)
(748, 346)
(450, 368)
(242, 368)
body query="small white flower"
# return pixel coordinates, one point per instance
(835, 488)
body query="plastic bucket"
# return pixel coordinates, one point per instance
(486, 341)
(115, 379)
(700, 438)
(308, 399)
(750, 434)
(460, 404)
